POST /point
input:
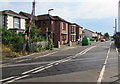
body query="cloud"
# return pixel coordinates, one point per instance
(80, 9)
(4, 4)
(70, 9)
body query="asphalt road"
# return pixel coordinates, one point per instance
(94, 63)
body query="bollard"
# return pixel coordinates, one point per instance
(58, 44)
(70, 43)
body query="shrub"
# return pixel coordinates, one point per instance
(37, 48)
(7, 52)
(50, 44)
(12, 39)
(35, 34)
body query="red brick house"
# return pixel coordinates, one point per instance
(75, 33)
(79, 33)
(61, 30)
(47, 24)
(28, 17)
(56, 28)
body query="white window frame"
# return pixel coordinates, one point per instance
(16, 22)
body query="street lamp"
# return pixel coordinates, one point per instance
(47, 29)
(50, 10)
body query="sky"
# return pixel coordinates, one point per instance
(95, 15)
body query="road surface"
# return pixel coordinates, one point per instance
(96, 63)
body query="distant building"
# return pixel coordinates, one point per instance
(12, 21)
(99, 35)
(90, 34)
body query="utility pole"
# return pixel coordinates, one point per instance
(31, 18)
(119, 16)
(26, 45)
(30, 24)
(115, 25)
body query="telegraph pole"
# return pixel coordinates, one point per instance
(31, 18)
(30, 24)
(26, 45)
(115, 25)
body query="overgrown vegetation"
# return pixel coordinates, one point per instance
(12, 39)
(35, 34)
(13, 43)
(50, 44)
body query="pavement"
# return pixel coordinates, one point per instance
(96, 63)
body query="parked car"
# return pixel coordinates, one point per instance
(86, 41)
(112, 39)
(102, 40)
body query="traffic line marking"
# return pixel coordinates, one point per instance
(32, 70)
(22, 60)
(103, 68)
(7, 78)
(41, 68)
(47, 54)
(17, 78)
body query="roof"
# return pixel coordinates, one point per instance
(45, 17)
(10, 12)
(57, 18)
(99, 33)
(77, 25)
(27, 15)
(89, 30)
(49, 17)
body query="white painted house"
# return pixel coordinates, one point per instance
(90, 34)
(12, 21)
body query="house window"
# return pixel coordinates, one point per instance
(73, 37)
(73, 29)
(64, 26)
(16, 22)
(64, 37)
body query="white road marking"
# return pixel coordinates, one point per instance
(63, 60)
(8, 78)
(103, 68)
(37, 57)
(50, 64)
(32, 70)
(42, 69)
(84, 51)
(46, 54)
(17, 78)
(22, 60)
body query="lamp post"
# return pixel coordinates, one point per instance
(47, 29)
(50, 10)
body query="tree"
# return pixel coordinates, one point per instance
(35, 34)
(106, 36)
